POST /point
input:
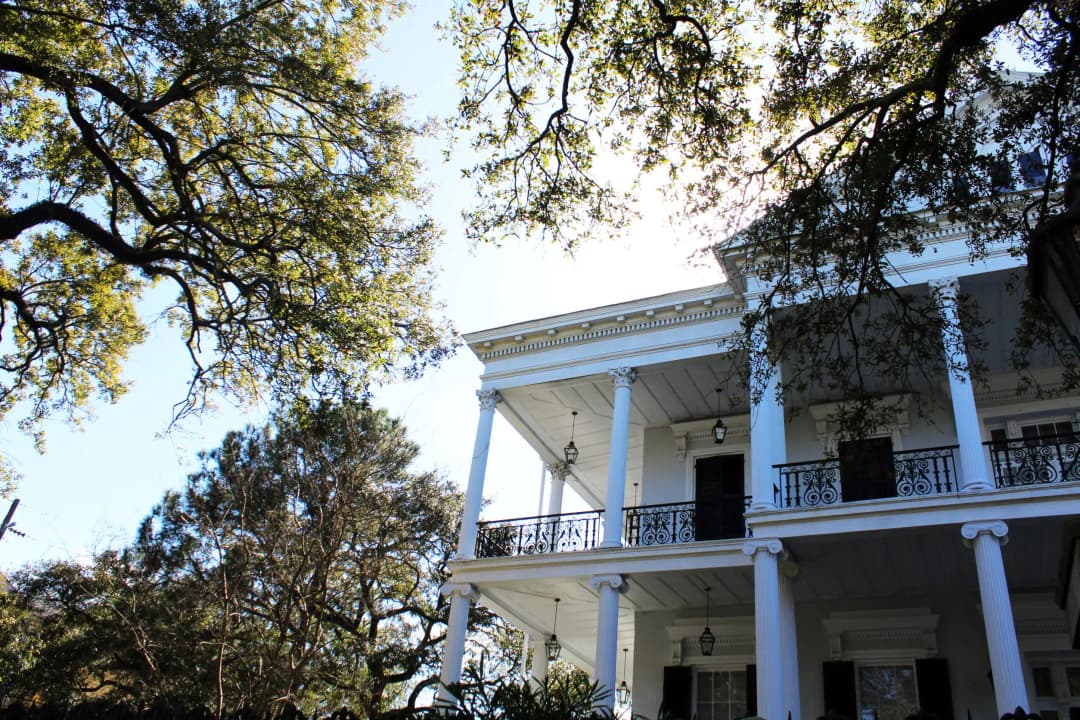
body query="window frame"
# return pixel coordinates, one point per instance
(727, 667)
(885, 661)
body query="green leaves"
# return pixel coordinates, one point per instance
(231, 150)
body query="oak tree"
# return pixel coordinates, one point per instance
(301, 564)
(228, 153)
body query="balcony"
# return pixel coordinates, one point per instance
(644, 525)
(821, 483)
(1035, 461)
(827, 482)
(539, 534)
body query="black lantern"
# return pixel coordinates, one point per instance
(622, 694)
(552, 646)
(707, 639)
(719, 430)
(571, 451)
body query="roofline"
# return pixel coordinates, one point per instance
(617, 312)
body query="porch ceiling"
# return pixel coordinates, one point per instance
(916, 563)
(662, 395)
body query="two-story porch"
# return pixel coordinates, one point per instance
(633, 388)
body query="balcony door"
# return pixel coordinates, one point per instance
(718, 495)
(866, 469)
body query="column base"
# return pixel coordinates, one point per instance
(608, 544)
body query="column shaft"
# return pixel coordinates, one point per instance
(454, 648)
(767, 627)
(558, 484)
(539, 660)
(474, 492)
(790, 647)
(607, 636)
(1006, 666)
(620, 438)
(973, 474)
(768, 445)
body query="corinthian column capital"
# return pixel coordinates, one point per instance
(488, 399)
(559, 470)
(623, 377)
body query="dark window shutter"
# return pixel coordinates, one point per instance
(751, 689)
(838, 678)
(935, 693)
(678, 692)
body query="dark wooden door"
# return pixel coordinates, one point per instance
(866, 469)
(719, 497)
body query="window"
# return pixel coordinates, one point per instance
(887, 692)
(721, 694)
(1057, 689)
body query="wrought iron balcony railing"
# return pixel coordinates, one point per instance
(683, 522)
(540, 534)
(1035, 461)
(930, 471)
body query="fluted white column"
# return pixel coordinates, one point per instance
(973, 476)
(789, 640)
(768, 635)
(558, 472)
(768, 444)
(620, 440)
(608, 588)
(474, 492)
(461, 596)
(539, 660)
(986, 539)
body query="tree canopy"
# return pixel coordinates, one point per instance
(229, 152)
(812, 137)
(301, 564)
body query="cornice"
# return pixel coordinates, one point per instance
(589, 331)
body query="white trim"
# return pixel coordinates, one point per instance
(825, 424)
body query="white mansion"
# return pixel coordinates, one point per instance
(783, 572)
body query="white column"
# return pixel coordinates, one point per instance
(768, 635)
(768, 444)
(461, 595)
(789, 639)
(620, 438)
(543, 482)
(607, 635)
(558, 472)
(986, 538)
(526, 650)
(474, 492)
(539, 660)
(973, 475)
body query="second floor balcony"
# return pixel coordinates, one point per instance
(824, 483)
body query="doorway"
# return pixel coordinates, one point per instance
(719, 497)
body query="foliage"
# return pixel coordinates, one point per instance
(300, 565)
(230, 153)
(566, 694)
(812, 140)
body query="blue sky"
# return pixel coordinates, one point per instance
(94, 484)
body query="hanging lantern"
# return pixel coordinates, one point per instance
(622, 693)
(719, 430)
(552, 646)
(571, 451)
(707, 639)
